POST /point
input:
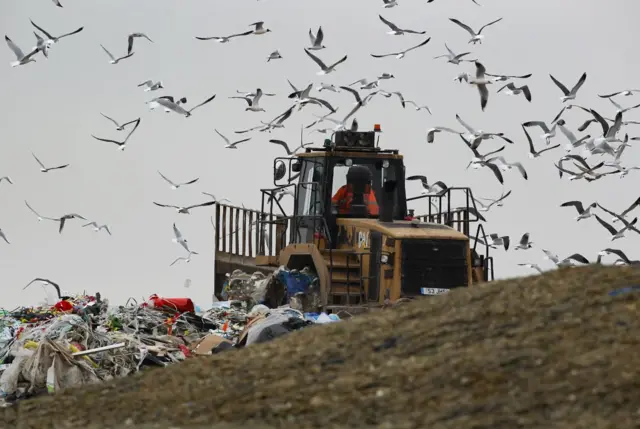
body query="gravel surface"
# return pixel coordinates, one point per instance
(550, 351)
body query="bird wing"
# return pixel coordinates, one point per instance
(165, 205)
(108, 53)
(107, 140)
(283, 144)
(465, 26)
(389, 24)
(317, 60)
(246, 33)
(603, 123)
(42, 30)
(176, 232)
(609, 96)
(559, 85)
(340, 61)
(580, 83)
(496, 171)
(137, 123)
(16, 50)
(319, 36)
(418, 45)
(635, 204)
(484, 95)
(354, 92)
(577, 257)
(384, 55)
(111, 119)
(465, 125)
(203, 103)
(480, 70)
(240, 141)
(36, 158)
(130, 43)
(71, 33)
(531, 147)
(486, 25)
(548, 148)
(224, 138)
(475, 152)
(576, 204)
(618, 252)
(208, 203)
(167, 179)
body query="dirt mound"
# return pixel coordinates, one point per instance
(547, 351)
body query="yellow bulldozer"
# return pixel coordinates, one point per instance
(368, 252)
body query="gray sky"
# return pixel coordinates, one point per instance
(52, 106)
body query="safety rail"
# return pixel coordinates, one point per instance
(456, 217)
(241, 231)
(485, 260)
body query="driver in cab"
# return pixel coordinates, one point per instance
(357, 174)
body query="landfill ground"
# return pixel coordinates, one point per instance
(549, 351)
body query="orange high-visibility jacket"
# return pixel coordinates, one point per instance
(344, 196)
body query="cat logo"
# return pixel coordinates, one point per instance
(363, 239)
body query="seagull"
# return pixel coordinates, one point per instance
(620, 217)
(7, 178)
(186, 210)
(365, 84)
(397, 31)
(433, 189)
(585, 172)
(616, 234)
(253, 103)
(45, 282)
(286, 146)
(432, 131)
(275, 55)
(65, 218)
(151, 86)
(497, 203)
(481, 82)
(401, 54)
(97, 227)
(3, 236)
(340, 125)
(505, 166)
(225, 39)
(133, 36)
(548, 133)
(325, 70)
(278, 121)
(41, 45)
(478, 160)
(253, 94)
(513, 90)
(504, 77)
(118, 126)
(389, 3)
(532, 149)
(566, 261)
(178, 238)
(40, 218)
(115, 60)
(619, 253)
(582, 213)
(51, 39)
(22, 59)
(532, 266)
(316, 41)
(385, 76)
(569, 95)
(475, 37)
(497, 241)
(626, 93)
(259, 28)
(185, 259)
(175, 107)
(415, 105)
(230, 145)
(46, 169)
(608, 132)
(524, 242)
(479, 135)
(452, 57)
(123, 144)
(216, 199)
(573, 141)
(328, 87)
(177, 185)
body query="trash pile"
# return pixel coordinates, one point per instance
(82, 340)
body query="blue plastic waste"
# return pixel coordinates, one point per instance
(295, 282)
(624, 290)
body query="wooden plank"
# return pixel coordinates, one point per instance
(216, 242)
(258, 230)
(232, 228)
(248, 229)
(237, 233)
(224, 229)
(244, 233)
(280, 229)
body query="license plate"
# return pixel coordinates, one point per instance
(432, 291)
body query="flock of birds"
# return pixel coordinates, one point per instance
(607, 144)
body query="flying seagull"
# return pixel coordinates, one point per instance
(178, 238)
(115, 60)
(41, 45)
(481, 82)
(118, 126)
(55, 39)
(177, 185)
(97, 227)
(569, 95)
(254, 103)
(437, 188)
(548, 133)
(175, 107)
(533, 267)
(532, 150)
(275, 55)
(626, 93)
(225, 39)
(230, 145)
(497, 203)
(513, 90)
(387, 3)
(505, 166)
(616, 234)
(216, 199)
(524, 242)
(432, 131)
(286, 146)
(7, 178)
(452, 57)
(186, 259)
(46, 169)
(65, 218)
(123, 144)
(151, 85)
(22, 59)
(397, 31)
(259, 28)
(582, 213)
(325, 70)
(475, 37)
(133, 36)
(316, 41)
(186, 210)
(620, 254)
(46, 282)
(504, 77)
(401, 54)
(495, 240)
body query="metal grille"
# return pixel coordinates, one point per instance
(433, 264)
